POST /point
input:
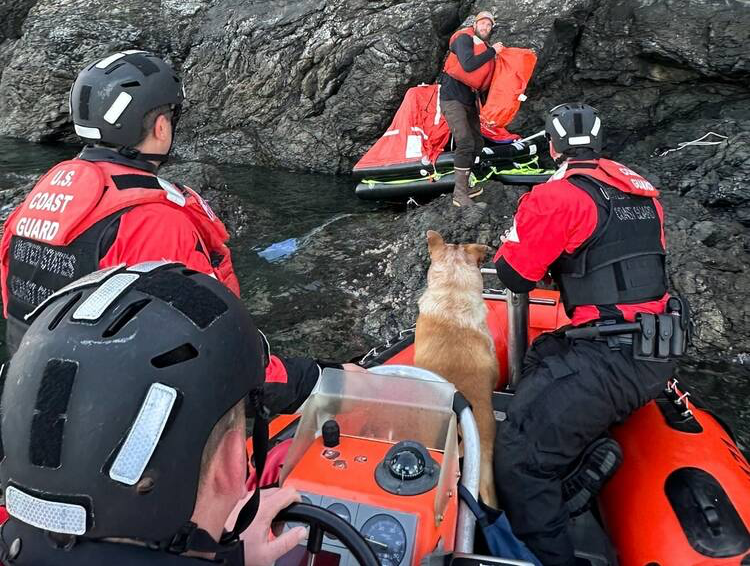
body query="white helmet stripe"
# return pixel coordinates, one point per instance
(580, 140)
(595, 128)
(65, 518)
(88, 133)
(117, 108)
(559, 127)
(85, 281)
(144, 435)
(98, 301)
(107, 61)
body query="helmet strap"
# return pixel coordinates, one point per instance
(132, 153)
(190, 537)
(260, 450)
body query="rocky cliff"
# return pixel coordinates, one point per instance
(311, 85)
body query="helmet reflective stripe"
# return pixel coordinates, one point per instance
(559, 127)
(117, 108)
(107, 61)
(574, 127)
(144, 435)
(65, 518)
(580, 140)
(146, 266)
(85, 281)
(98, 302)
(88, 133)
(596, 126)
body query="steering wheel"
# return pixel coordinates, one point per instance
(323, 521)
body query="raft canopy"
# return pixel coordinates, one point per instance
(419, 134)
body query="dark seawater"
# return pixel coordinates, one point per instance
(290, 208)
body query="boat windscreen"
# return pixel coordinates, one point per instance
(377, 407)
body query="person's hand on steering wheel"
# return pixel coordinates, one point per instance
(262, 549)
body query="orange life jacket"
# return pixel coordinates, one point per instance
(480, 78)
(613, 174)
(72, 198)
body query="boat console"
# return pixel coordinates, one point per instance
(381, 452)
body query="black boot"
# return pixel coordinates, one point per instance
(597, 464)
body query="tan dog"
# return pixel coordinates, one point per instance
(452, 338)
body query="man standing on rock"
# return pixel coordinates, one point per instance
(108, 207)
(598, 228)
(467, 75)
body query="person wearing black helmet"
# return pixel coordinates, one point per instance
(467, 73)
(125, 444)
(108, 206)
(597, 227)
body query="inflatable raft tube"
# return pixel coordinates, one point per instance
(427, 187)
(492, 154)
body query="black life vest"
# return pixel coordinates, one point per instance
(623, 261)
(36, 548)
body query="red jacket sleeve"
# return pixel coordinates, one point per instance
(553, 218)
(289, 382)
(152, 232)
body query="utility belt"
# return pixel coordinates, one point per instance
(654, 337)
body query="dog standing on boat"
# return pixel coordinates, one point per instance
(453, 340)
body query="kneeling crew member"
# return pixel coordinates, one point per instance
(598, 228)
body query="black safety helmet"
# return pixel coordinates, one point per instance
(109, 401)
(110, 97)
(571, 127)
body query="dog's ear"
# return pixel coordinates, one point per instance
(434, 241)
(478, 252)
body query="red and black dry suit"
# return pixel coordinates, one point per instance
(598, 228)
(467, 71)
(103, 209)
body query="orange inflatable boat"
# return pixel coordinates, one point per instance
(680, 498)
